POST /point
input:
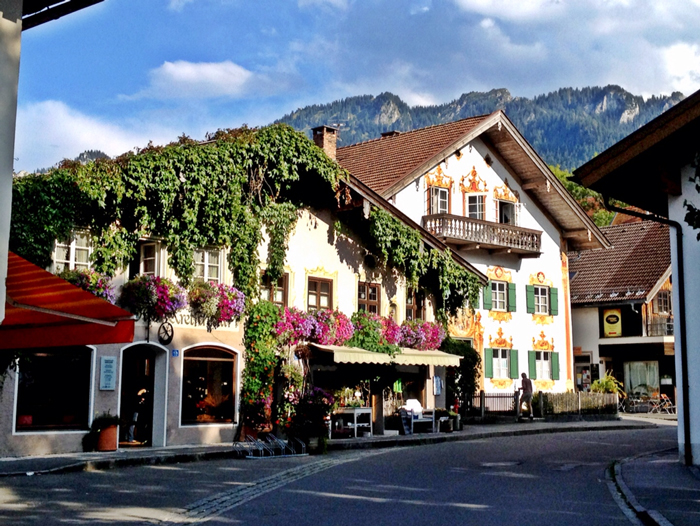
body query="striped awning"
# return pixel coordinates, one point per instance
(407, 356)
(43, 310)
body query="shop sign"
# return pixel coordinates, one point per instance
(612, 323)
(108, 373)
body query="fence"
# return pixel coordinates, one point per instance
(545, 404)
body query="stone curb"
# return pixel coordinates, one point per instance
(335, 445)
(647, 517)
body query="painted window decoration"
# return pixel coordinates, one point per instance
(207, 265)
(72, 253)
(368, 297)
(64, 374)
(277, 292)
(438, 191)
(474, 191)
(499, 296)
(320, 294)
(149, 259)
(415, 305)
(542, 300)
(506, 205)
(500, 363)
(543, 362)
(662, 303)
(208, 386)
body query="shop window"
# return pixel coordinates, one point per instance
(208, 386)
(415, 305)
(72, 253)
(543, 365)
(500, 363)
(499, 296)
(320, 294)
(207, 265)
(542, 300)
(474, 206)
(368, 297)
(438, 200)
(149, 259)
(276, 292)
(53, 391)
(642, 378)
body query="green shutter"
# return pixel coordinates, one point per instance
(555, 366)
(532, 364)
(514, 371)
(488, 363)
(487, 296)
(553, 301)
(511, 297)
(530, 299)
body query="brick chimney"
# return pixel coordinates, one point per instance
(325, 138)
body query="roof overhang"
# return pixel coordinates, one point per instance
(532, 174)
(354, 355)
(43, 310)
(644, 168)
(37, 12)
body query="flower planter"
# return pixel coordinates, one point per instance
(107, 439)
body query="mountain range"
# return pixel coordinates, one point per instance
(567, 127)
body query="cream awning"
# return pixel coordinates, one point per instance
(406, 357)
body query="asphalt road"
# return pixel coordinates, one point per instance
(551, 479)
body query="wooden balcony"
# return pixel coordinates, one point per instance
(472, 234)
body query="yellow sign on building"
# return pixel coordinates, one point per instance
(612, 323)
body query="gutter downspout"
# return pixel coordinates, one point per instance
(688, 457)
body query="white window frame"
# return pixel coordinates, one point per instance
(543, 364)
(206, 263)
(541, 299)
(439, 196)
(143, 259)
(501, 363)
(479, 206)
(515, 220)
(73, 248)
(499, 296)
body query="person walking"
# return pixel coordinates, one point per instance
(526, 394)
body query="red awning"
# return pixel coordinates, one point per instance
(43, 310)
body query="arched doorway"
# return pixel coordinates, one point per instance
(142, 396)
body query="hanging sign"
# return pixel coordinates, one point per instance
(612, 323)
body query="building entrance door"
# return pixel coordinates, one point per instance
(138, 366)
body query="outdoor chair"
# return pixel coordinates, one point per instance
(667, 405)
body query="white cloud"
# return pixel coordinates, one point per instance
(338, 4)
(196, 80)
(50, 131)
(514, 10)
(177, 5)
(682, 61)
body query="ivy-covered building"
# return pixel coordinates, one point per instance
(478, 186)
(249, 215)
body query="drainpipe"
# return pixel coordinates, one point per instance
(688, 457)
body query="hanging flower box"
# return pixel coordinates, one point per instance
(90, 281)
(152, 298)
(216, 304)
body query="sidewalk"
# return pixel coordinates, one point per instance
(44, 465)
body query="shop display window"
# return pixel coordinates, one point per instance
(208, 386)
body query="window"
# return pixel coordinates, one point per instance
(149, 260)
(277, 294)
(499, 295)
(320, 295)
(475, 206)
(543, 365)
(501, 363)
(542, 300)
(368, 297)
(72, 253)
(208, 386)
(53, 391)
(207, 265)
(415, 305)
(438, 200)
(507, 212)
(662, 303)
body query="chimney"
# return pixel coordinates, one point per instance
(325, 138)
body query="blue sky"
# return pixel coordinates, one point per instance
(125, 72)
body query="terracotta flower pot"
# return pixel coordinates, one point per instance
(107, 439)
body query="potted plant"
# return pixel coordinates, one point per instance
(103, 433)
(153, 298)
(215, 303)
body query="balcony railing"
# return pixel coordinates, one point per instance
(477, 234)
(660, 326)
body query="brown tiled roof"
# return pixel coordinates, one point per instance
(379, 163)
(640, 256)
